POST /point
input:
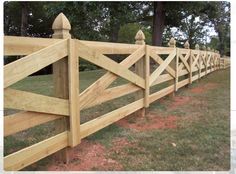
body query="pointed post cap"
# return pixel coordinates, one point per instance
(172, 42)
(197, 47)
(204, 47)
(186, 45)
(140, 38)
(61, 27)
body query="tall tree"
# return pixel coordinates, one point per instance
(219, 14)
(158, 22)
(24, 17)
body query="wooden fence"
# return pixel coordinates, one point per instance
(171, 64)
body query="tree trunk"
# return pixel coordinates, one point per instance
(221, 44)
(114, 33)
(158, 23)
(24, 18)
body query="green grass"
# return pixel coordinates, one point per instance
(202, 136)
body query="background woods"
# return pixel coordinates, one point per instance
(203, 23)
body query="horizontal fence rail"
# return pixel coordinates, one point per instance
(178, 66)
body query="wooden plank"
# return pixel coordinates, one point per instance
(161, 50)
(162, 67)
(24, 120)
(88, 95)
(183, 51)
(184, 60)
(19, 69)
(195, 61)
(195, 77)
(17, 45)
(190, 68)
(161, 93)
(29, 155)
(200, 65)
(162, 78)
(111, 48)
(140, 70)
(61, 27)
(16, 99)
(159, 60)
(177, 70)
(183, 72)
(73, 70)
(112, 93)
(96, 124)
(99, 59)
(147, 75)
(183, 83)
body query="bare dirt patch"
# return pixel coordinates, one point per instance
(179, 101)
(204, 88)
(86, 157)
(149, 122)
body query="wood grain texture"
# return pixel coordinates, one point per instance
(99, 59)
(21, 46)
(31, 154)
(162, 67)
(96, 124)
(24, 120)
(22, 100)
(73, 70)
(19, 69)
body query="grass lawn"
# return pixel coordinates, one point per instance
(190, 131)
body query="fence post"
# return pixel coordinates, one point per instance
(140, 70)
(207, 57)
(173, 64)
(61, 27)
(199, 56)
(177, 70)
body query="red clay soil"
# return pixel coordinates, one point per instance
(149, 122)
(204, 88)
(179, 101)
(86, 157)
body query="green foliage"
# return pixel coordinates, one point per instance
(127, 33)
(119, 21)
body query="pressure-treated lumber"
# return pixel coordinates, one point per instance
(161, 68)
(88, 95)
(140, 70)
(22, 100)
(159, 60)
(73, 70)
(98, 123)
(112, 93)
(24, 120)
(19, 69)
(147, 75)
(31, 154)
(190, 67)
(183, 83)
(162, 78)
(187, 52)
(20, 46)
(184, 60)
(161, 93)
(111, 48)
(61, 30)
(177, 68)
(161, 50)
(99, 59)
